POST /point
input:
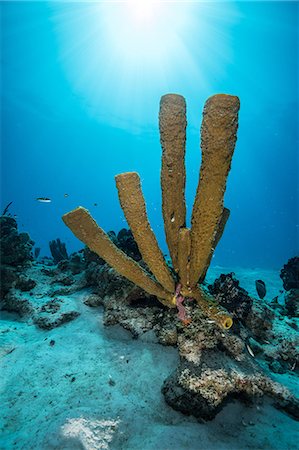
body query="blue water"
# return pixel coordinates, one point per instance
(81, 84)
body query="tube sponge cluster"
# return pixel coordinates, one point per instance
(190, 249)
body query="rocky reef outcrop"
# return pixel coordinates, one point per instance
(215, 365)
(58, 250)
(15, 254)
(227, 291)
(16, 248)
(290, 278)
(290, 274)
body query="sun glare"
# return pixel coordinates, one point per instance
(142, 12)
(143, 32)
(125, 54)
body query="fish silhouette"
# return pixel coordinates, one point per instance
(260, 288)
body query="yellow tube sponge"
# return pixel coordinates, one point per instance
(184, 247)
(86, 229)
(191, 250)
(218, 138)
(172, 123)
(133, 205)
(220, 229)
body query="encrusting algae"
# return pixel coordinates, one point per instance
(191, 249)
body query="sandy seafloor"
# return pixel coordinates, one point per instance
(97, 388)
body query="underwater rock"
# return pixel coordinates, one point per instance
(168, 335)
(92, 300)
(64, 280)
(25, 284)
(54, 313)
(15, 256)
(215, 366)
(50, 322)
(260, 288)
(15, 248)
(204, 389)
(75, 264)
(124, 303)
(58, 250)
(127, 243)
(49, 272)
(284, 356)
(290, 274)
(8, 276)
(107, 280)
(260, 320)
(90, 257)
(231, 296)
(292, 302)
(17, 304)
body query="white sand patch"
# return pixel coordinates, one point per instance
(93, 434)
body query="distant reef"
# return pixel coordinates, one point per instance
(216, 366)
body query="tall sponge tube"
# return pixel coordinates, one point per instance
(86, 229)
(133, 205)
(218, 138)
(172, 123)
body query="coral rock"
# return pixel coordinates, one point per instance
(16, 248)
(290, 274)
(292, 303)
(231, 296)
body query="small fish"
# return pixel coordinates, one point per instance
(250, 351)
(95, 204)
(43, 199)
(260, 288)
(66, 195)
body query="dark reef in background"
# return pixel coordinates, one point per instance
(231, 296)
(16, 248)
(126, 242)
(58, 250)
(15, 253)
(290, 274)
(290, 278)
(36, 252)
